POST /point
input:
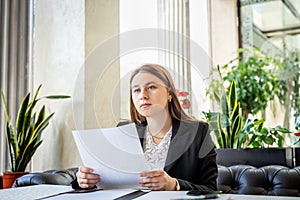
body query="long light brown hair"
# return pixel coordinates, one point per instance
(175, 109)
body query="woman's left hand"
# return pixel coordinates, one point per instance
(157, 180)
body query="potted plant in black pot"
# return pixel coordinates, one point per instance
(24, 136)
(241, 142)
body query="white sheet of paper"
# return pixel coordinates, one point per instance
(114, 153)
(33, 191)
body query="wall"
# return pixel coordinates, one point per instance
(102, 107)
(224, 30)
(58, 55)
(65, 35)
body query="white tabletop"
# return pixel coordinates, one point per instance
(39, 191)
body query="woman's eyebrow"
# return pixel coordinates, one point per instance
(150, 82)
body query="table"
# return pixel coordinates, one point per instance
(39, 191)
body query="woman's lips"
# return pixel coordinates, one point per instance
(145, 105)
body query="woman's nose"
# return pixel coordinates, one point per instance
(143, 94)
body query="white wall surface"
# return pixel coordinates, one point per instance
(58, 56)
(224, 30)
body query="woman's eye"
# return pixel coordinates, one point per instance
(151, 87)
(136, 90)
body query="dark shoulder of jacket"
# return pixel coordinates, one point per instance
(194, 122)
(122, 123)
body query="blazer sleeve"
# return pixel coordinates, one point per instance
(208, 175)
(200, 162)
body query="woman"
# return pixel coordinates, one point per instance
(178, 149)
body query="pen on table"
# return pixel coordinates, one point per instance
(206, 196)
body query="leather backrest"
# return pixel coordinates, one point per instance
(56, 177)
(271, 156)
(297, 156)
(267, 180)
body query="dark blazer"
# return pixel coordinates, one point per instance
(191, 158)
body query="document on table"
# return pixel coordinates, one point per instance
(114, 153)
(33, 192)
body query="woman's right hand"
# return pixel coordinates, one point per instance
(86, 178)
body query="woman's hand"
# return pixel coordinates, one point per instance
(86, 178)
(157, 180)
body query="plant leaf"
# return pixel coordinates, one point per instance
(57, 97)
(232, 95)
(21, 113)
(223, 139)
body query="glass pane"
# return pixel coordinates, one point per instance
(273, 15)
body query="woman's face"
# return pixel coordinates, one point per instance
(149, 94)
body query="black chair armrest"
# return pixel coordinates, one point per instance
(55, 177)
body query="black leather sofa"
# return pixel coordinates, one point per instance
(269, 171)
(237, 179)
(267, 180)
(264, 175)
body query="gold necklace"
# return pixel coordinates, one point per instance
(160, 138)
(154, 136)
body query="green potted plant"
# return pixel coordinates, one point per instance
(256, 81)
(24, 137)
(226, 124)
(240, 144)
(289, 77)
(255, 135)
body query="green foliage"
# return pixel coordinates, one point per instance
(25, 137)
(289, 77)
(297, 123)
(227, 124)
(256, 135)
(256, 81)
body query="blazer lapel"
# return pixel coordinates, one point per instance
(141, 131)
(183, 134)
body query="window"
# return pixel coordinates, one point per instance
(180, 37)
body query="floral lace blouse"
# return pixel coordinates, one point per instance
(156, 154)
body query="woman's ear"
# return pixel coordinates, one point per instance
(170, 98)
